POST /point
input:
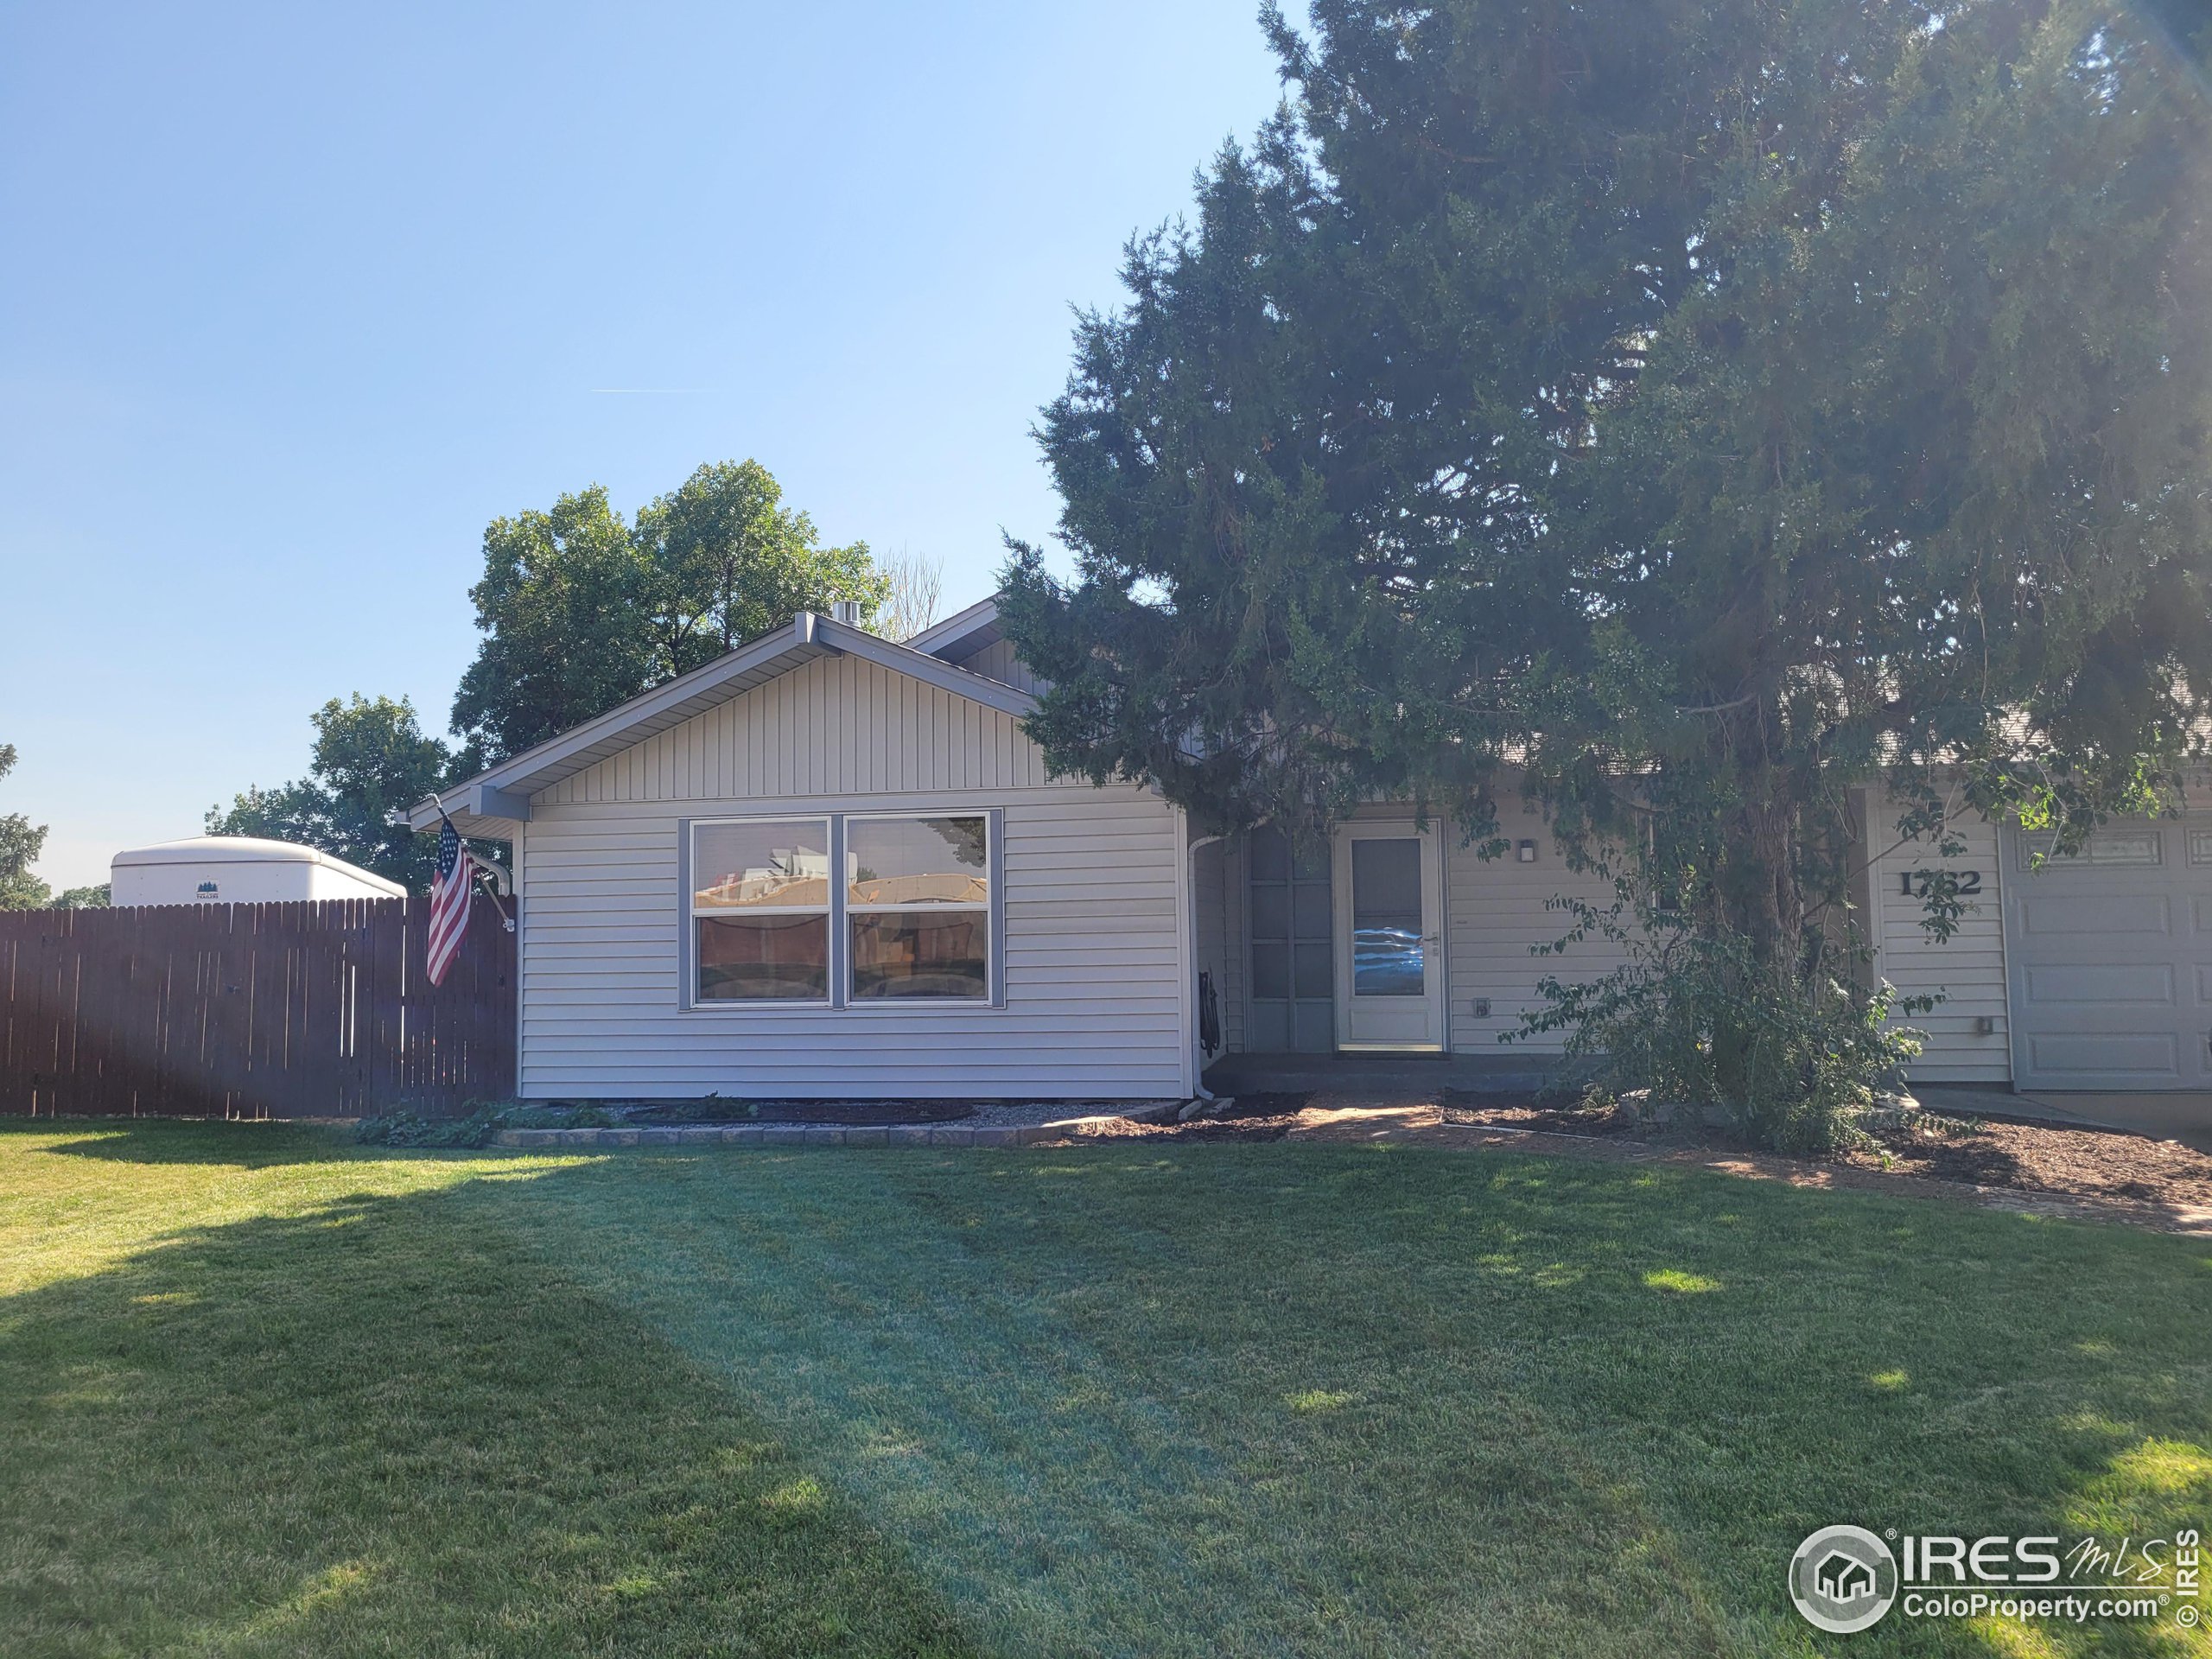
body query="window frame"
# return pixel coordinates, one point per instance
(839, 913)
(693, 913)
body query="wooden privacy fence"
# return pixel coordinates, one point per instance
(291, 1010)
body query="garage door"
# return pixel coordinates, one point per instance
(2110, 958)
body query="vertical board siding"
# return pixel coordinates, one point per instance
(1968, 970)
(836, 726)
(305, 1009)
(1093, 1006)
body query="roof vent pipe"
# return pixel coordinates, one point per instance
(847, 611)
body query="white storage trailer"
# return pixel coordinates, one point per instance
(238, 870)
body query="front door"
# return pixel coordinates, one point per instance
(1389, 931)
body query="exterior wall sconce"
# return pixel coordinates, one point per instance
(1525, 852)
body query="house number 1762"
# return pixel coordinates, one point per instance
(1916, 883)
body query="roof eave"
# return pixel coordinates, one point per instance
(962, 634)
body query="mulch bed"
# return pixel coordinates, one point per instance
(2020, 1153)
(2048, 1158)
(2150, 1180)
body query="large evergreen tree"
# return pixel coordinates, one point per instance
(1699, 404)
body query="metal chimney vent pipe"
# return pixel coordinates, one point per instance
(847, 611)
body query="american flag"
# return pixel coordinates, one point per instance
(449, 890)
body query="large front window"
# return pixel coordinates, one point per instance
(911, 921)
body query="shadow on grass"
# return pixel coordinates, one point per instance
(190, 1141)
(380, 1427)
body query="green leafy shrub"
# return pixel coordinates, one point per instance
(1795, 1062)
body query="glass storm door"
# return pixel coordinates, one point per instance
(1389, 931)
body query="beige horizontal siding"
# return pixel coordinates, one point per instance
(1968, 970)
(1496, 911)
(1093, 994)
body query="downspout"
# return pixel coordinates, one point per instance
(1197, 1075)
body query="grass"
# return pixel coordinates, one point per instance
(263, 1393)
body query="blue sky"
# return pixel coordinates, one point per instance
(297, 298)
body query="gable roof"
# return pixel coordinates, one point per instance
(502, 792)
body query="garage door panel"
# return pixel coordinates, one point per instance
(2110, 961)
(2075, 984)
(2085, 915)
(2088, 1059)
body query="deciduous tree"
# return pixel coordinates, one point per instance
(580, 611)
(371, 759)
(20, 842)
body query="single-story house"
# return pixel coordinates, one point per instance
(827, 865)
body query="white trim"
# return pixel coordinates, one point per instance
(838, 911)
(1442, 827)
(522, 954)
(2007, 917)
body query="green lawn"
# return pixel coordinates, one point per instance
(264, 1393)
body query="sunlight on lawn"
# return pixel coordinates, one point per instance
(1689, 1284)
(56, 1224)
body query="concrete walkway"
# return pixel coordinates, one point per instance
(2183, 1114)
